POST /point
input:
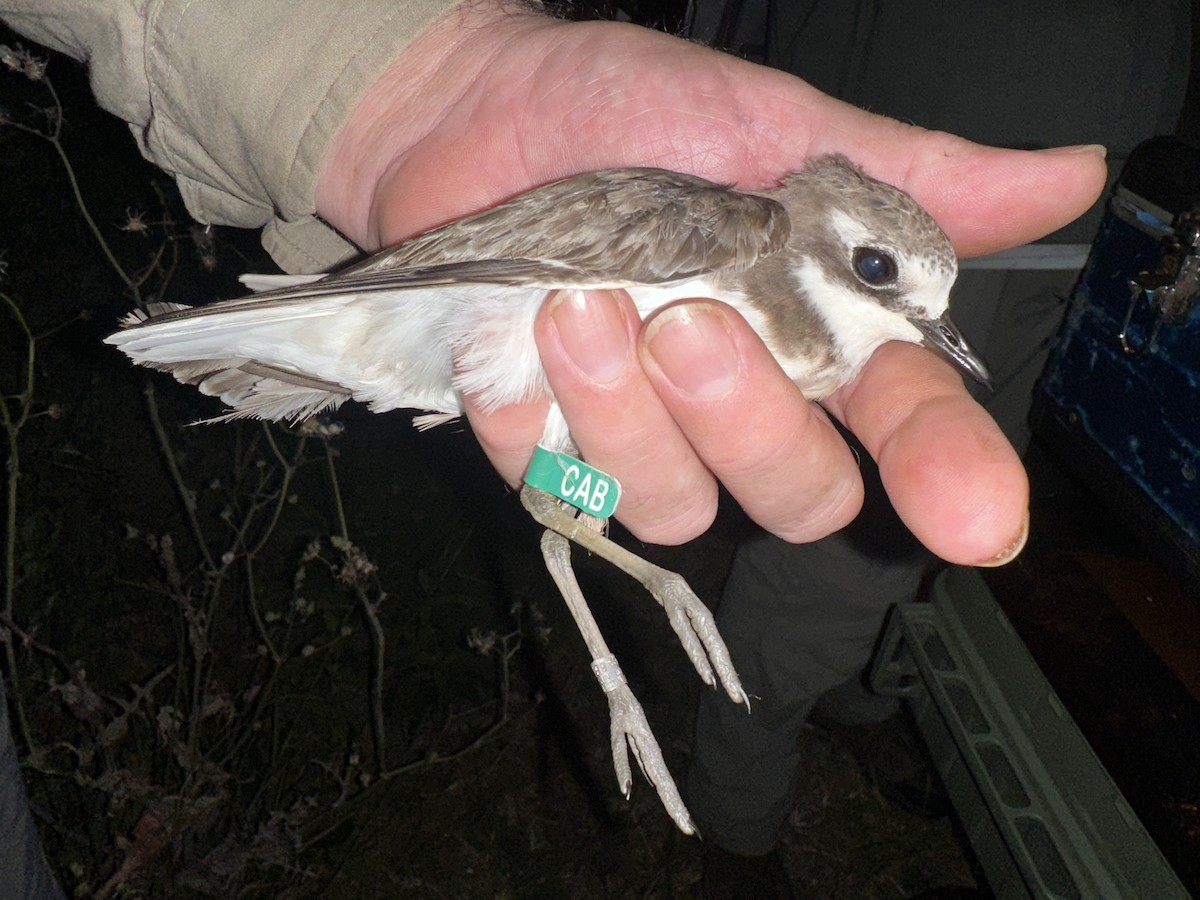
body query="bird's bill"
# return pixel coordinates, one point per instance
(942, 336)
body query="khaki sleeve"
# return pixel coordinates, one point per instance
(238, 99)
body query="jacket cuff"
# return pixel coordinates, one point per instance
(247, 97)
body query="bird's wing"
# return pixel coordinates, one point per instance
(618, 227)
(615, 228)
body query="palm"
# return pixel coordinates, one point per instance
(603, 95)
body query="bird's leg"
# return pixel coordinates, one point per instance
(628, 726)
(689, 617)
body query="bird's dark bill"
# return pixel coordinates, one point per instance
(943, 337)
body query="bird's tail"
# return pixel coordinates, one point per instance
(263, 358)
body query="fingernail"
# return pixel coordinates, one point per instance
(692, 345)
(593, 332)
(1097, 149)
(1012, 549)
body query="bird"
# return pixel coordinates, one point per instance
(825, 267)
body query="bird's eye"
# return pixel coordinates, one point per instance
(874, 266)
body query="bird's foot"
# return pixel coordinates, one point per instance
(691, 620)
(630, 730)
(629, 727)
(694, 625)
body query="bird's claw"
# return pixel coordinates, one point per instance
(696, 629)
(631, 730)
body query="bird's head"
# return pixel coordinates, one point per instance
(872, 264)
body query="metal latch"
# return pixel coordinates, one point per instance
(1171, 288)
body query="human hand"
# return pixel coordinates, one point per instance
(493, 101)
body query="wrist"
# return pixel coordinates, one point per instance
(426, 88)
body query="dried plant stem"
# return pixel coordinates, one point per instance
(289, 468)
(481, 740)
(379, 648)
(370, 609)
(335, 487)
(185, 494)
(130, 285)
(28, 640)
(13, 424)
(54, 138)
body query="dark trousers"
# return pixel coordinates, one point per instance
(24, 874)
(801, 620)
